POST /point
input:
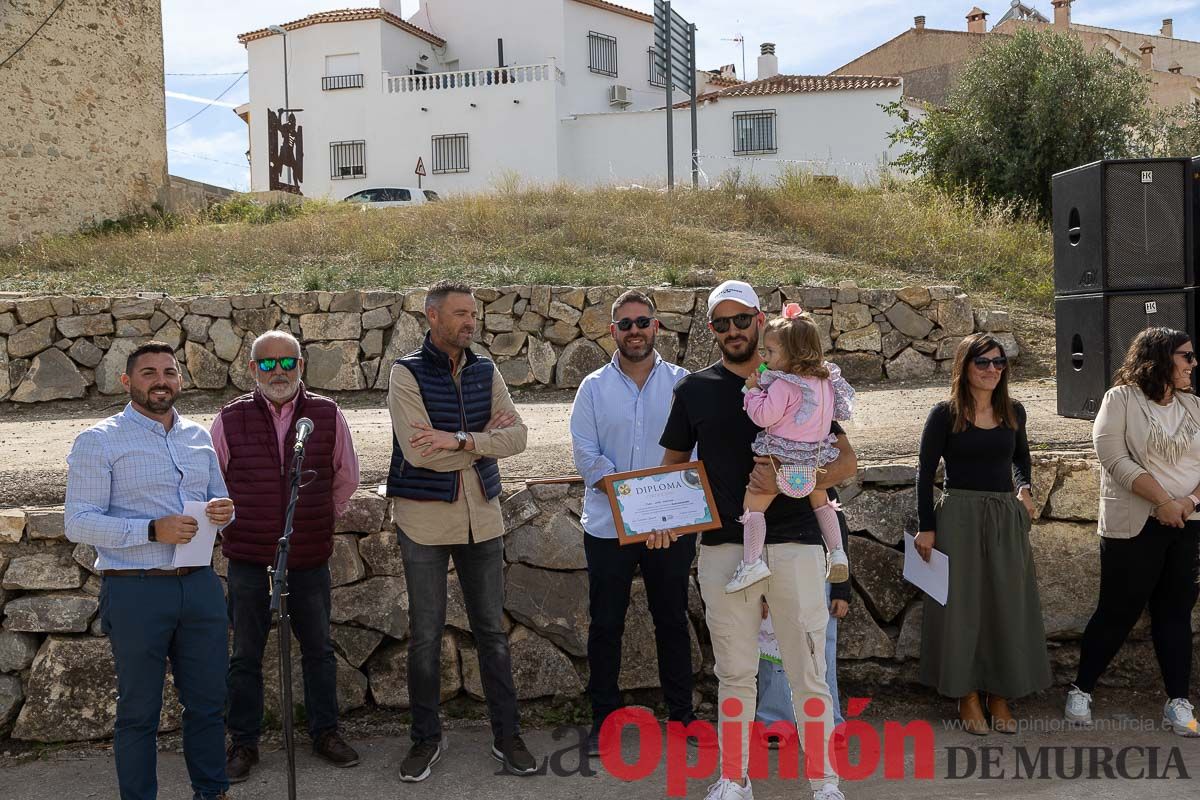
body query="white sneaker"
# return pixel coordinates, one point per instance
(1178, 714)
(839, 567)
(1079, 707)
(726, 789)
(829, 791)
(746, 575)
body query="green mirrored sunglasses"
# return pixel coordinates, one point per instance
(268, 364)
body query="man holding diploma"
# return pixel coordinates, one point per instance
(127, 480)
(618, 415)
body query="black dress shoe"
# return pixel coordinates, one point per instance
(239, 758)
(333, 748)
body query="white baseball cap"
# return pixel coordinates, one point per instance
(737, 291)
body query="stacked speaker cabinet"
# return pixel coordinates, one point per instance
(1123, 261)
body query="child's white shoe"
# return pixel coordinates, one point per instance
(747, 575)
(839, 567)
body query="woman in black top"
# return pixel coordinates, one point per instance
(989, 636)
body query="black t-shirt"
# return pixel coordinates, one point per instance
(707, 414)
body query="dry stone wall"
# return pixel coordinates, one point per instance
(56, 670)
(54, 348)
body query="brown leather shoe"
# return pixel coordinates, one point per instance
(1002, 718)
(971, 713)
(333, 748)
(239, 758)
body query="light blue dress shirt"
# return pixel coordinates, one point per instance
(128, 470)
(615, 427)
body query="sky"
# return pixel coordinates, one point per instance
(203, 57)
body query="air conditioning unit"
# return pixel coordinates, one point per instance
(618, 95)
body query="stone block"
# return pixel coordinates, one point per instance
(381, 553)
(911, 365)
(50, 613)
(388, 669)
(1066, 558)
(905, 319)
(43, 572)
(859, 636)
(595, 321)
(539, 668)
(947, 347)
(893, 342)
(563, 312)
(355, 644)
(376, 318)
(333, 366)
(573, 297)
(850, 316)
(112, 366)
(539, 300)
(127, 328)
(245, 301)
(365, 513)
(85, 353)
(1077, 495)
(12, 525)
(378, 299)
(31, 340)
(132, 308)
(206, 370)
(498, 323)
(503, 305)
(219, 307)
(542, 360)
(89, 325)
(196, 327)
(992, 320)
(33, 309)
(578, 359)
(878, 299)
(406, 337)
(17, 650)
(955, 315)
(886, 516)
(553, 604)
(863, 339)
(379, 603)
(297, 303)
(508, 344)
(350, 685)
(345, 566)
(560, 333)
(372, 345)
(346, 302)
(908, 645)
(53, 376)
(878, 571)
(516, 372)
(667, 345)
(889, 474)
(45, 525)
(915, 296)
(225, 341)
(324, 327)
(559, 545)
(530, 322)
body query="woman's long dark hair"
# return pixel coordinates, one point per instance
(962, 402)
(1150, 362)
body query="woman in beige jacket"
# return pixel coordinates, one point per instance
(1146, 439)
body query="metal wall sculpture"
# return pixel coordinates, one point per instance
(285, 149)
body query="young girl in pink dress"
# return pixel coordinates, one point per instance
(795, 401)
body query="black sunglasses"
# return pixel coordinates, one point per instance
(626, 323)
(999, 362)
(1188, 356)
(268, 364)
(743, 321)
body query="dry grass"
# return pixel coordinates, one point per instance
(794, 232)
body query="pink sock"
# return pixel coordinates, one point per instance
(831, 532)
(754, 535)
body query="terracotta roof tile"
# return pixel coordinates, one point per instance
(796, 84)
(347, 15)
(628, 12)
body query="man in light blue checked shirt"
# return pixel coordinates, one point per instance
(127, 481)
(616, 421)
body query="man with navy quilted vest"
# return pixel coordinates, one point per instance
(452, 418)
(254, 436)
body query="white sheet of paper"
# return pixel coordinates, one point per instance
(931, 577)
(198, 551)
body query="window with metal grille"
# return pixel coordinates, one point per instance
(602, 54)
(657, 76)
(347, 159)
(450, 154)
(754, 132)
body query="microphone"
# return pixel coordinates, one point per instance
(304, 428)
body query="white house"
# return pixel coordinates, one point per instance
(547, 90)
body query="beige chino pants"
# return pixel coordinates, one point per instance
(796, 594)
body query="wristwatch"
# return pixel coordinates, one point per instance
(1195, 502)
(150, 534)
(461, 438)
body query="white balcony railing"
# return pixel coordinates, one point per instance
(472, 78)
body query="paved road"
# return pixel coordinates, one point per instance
(469, 773)
(886, 427)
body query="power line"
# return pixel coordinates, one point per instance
(201, 74)
(206, 158)
(207, 107)
(35, 33)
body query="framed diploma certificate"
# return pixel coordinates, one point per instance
(675, 498)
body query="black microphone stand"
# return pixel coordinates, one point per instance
(279, 596)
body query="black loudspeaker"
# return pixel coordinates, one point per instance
(1123, 225)
(1094, 331)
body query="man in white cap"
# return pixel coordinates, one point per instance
(707, 415)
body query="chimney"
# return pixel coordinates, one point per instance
(977, 20)
(768, 63)
(1062, 13)
(1176, 68)
(1168, 28)
(728, 71)
(1147, 56)
(919, 23)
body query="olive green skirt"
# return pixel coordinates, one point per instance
(989, 636)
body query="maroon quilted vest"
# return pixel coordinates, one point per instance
(258, 481)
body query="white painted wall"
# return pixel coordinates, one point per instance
(587, 92)
(832, 133)
(531, 29)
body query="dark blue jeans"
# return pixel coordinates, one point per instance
(610, 577)
(480, 568)
(250, 616)
(150, 619)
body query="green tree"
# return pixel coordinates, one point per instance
(1171, 133)
(1026, 107)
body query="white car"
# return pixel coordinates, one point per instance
(393, 196)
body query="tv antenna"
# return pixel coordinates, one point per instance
(740, 39)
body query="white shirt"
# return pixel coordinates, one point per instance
(1178, 479)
